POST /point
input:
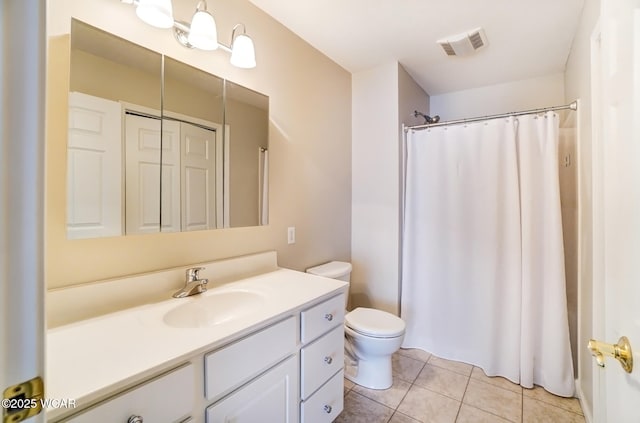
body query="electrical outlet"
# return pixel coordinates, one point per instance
(291, 235)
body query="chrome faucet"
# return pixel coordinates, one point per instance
(193, 284)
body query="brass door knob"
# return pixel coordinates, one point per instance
(620, 351)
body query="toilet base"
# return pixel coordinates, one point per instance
(375, 373)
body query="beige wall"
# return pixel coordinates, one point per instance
(100, 77)
(248, 132)
(500, 98)
(189, 99)
(411, 98)
(578, 86)
(383, 99)
(310, 145)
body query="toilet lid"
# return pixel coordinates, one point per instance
(375, 323)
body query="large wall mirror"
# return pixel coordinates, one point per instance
(157, 145)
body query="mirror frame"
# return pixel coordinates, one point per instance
(228, 148)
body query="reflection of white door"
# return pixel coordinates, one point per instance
(170, 207)
(617, 207)
(191, 197)
(198, 175)
(142, 169)
(94, 170)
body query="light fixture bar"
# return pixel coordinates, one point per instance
(242, 49)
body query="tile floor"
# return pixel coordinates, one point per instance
(430, 389)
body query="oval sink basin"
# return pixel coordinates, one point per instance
(213, 309)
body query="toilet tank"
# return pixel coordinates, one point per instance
(334, 269)
(340, 270)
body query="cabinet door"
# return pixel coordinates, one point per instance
(271, 397)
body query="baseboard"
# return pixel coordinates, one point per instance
(586, 407)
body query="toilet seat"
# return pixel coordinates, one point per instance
(374, 323)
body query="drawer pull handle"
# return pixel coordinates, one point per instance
(328, 316)
(328, 360)
(327, 409)
(135, 419)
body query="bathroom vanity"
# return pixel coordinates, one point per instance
(267, 348)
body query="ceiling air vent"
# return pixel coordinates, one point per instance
(447, 48)
(464, 44)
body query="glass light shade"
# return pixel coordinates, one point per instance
(243, 54)
(158, 13)
(203, 33)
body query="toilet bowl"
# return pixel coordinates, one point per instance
(371, 336)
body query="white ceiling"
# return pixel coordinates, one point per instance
(527, 38)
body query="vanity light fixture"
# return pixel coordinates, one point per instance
(201, 33)
(243, 53)
(158, 13)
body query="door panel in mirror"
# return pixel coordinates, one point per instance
(142, 170)
(192, 166)
(94, 177)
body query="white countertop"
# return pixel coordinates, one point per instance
(87, 360)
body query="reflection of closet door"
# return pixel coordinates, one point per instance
(142, 170)
(198, 176)
(170, 205)
(94, 173)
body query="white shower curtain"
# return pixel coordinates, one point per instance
(483, 265)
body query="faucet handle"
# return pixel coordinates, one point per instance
(203, 284)
(192, 273)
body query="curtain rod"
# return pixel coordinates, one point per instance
(572, 106)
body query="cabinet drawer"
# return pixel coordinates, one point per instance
(168, 398)
(273, 397)
(320, 318)
(326, 404)
(230, 366)
(321, 360)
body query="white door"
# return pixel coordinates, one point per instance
(198, 177)
(22, 152)
(94, 168)
(617, 207)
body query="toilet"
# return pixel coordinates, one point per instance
(371, 336)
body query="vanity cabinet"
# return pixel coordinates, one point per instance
(287, 369)
(305, 388)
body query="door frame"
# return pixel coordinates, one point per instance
(22, 188)
(597, 223)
